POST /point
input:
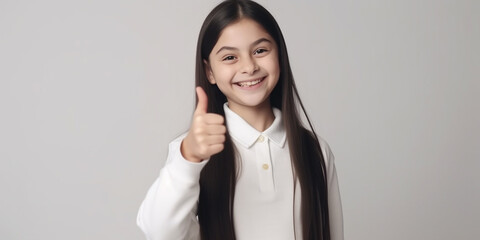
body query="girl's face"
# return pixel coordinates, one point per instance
(244, 65)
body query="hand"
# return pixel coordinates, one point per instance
(207, 132)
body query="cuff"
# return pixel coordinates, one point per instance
(179, 167)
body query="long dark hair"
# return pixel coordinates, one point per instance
(218, 178)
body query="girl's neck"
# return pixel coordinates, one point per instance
(259, 117)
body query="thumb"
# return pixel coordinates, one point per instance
(202, 101)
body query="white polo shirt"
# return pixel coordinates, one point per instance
(264, 206)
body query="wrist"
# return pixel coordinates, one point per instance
(184, 150)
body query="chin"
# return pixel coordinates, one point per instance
(254, 104)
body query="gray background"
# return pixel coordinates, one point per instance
(91, 93)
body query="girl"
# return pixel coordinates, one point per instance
(247, 169)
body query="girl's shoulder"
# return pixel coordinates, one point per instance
(322, 143)
(326, 150)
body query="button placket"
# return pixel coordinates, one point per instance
(264, 164)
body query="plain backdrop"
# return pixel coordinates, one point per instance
(92, 92)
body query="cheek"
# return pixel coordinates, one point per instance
(272, 65)
(223, 74)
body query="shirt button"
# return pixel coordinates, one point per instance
(265, 166)
(260, 139)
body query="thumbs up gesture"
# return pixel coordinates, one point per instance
(207, 132)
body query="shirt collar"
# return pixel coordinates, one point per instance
(246, 135)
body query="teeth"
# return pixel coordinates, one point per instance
(248, 84)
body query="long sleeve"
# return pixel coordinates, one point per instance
(169, 208)
(334, 200)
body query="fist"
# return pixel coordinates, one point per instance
(207, 132)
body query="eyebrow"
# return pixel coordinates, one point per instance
(253, 44)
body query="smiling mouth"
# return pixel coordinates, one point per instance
(250, 83)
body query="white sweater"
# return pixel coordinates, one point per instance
(264, 205)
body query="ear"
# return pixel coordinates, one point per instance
(208, 72)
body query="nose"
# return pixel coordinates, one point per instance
(249, 66)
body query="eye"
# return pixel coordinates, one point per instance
(228, 58)
(260, 51)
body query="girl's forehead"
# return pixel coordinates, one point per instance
(242, 32)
